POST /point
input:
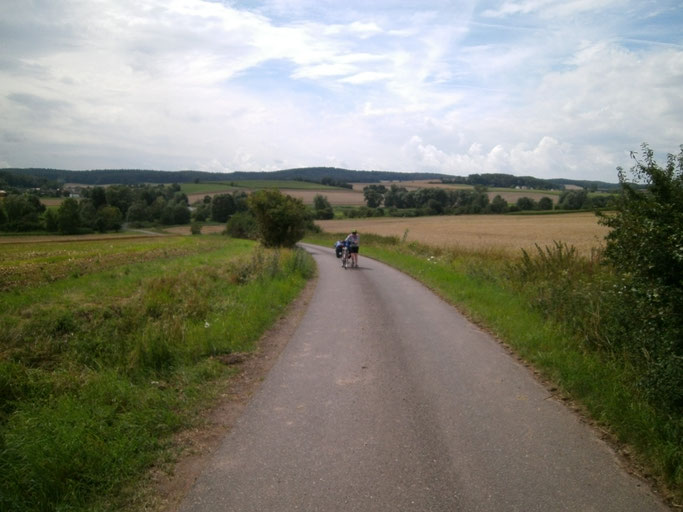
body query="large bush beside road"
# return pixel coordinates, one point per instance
(645, 247)
(281, 220)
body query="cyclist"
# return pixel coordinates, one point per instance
(353, 241)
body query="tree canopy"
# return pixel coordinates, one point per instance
(281, 219)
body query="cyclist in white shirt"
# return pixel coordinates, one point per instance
(353, 240)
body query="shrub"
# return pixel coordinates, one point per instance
(202, 211)
(374, 195)
(88, 214)
(181, 213)
(573, 200)
(138, 212)
(322, 208)
(281, 219)
(50, 218)
(526, 203)
(498, 205)
(645, 245)
(68, 217)
(545, 203)
(242, 225)
(109, 218)
(22, 212)
(222, 207)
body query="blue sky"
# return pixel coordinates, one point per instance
(529, 87)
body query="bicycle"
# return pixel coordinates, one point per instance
(345, 256)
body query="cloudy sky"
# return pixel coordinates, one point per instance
(548, 88)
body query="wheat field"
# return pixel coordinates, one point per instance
(499, 232)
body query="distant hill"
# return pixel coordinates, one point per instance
(136, 176)
(313, 174)
(116, 176)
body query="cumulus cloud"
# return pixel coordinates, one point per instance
(548, 158)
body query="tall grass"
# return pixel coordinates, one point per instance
(554, 308)
(96, 371)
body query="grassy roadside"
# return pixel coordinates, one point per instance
(98, 369)
(602, 386)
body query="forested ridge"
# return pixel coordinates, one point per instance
(314, 174)
(139, 176)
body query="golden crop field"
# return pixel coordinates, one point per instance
(505, 232)
(415, 184)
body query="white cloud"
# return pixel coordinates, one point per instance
(365, 29)
(613, 92)
(549, 8)
(366, 77)
(547, 159)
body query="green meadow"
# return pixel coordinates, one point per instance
(108, 348)
(210, 187)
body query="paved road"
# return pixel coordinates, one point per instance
(387, 399)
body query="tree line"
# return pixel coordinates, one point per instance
(504, 181)
(108, 208)
(17, 183)
(400, 201)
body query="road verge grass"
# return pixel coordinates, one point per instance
(601, 384)
(98, 370)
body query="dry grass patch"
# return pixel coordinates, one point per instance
(206, 230)
(37, 239)
(507, 232)
(416, 184)
(52, 201)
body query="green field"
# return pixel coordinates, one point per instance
(212, 187)
(207, 187)
(530, 192)
(283, 184)
(108, 348)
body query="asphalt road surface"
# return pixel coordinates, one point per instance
(387, 399)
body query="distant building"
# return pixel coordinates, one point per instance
(73, 191)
